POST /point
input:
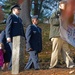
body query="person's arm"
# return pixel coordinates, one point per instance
(28, 36)
(41, 39)
(54, 20)
(8, 28)
(2, 35)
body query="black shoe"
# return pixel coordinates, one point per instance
(9, 68)
(37, 69)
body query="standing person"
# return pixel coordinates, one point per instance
(58, 44)
(33, 43)
(7, 54)
(14, 26)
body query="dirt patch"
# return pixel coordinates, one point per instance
(54, 71)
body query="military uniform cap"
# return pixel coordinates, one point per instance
(35, 16)
(15, 6)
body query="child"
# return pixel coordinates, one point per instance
(7, 54)
(1, 55)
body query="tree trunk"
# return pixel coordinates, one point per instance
(25, 12)
(35, 7)
(39, 10)
(1, 14)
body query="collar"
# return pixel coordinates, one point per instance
(35, 25)
(16, 15)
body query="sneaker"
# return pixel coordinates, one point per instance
(72, 66)
(57, 66)
(50, 67)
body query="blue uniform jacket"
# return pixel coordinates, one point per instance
(3, 37)
(33, 38)
(4, 41)
(14, 26)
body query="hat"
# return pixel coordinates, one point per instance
(60, 2)
(16, 6)
(35, 16)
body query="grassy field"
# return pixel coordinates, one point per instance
(44, 56)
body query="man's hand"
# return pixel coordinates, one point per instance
(30, 49)
(8, 39)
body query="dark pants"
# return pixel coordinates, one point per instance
(7, 54)
(10, 63)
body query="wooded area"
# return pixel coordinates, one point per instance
(42, 8)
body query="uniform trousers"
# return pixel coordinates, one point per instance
(10, 63)
(33, 59)
(60, 46)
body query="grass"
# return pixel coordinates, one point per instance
(2, 27)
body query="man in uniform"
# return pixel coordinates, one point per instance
(14, 26)
(33, 43)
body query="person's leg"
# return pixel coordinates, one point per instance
(10, 48)
(34, 57)
(28, 65)
(66, 55)
(10, 65)
(7, 63)
(56, 47)
(3, 67)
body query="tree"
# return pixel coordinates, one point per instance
(1, 14)
(20, 1)
(7, 5)
(48, 7)
(42, 8)
(37, 7)
(25, 12)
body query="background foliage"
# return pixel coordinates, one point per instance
(42, 8)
